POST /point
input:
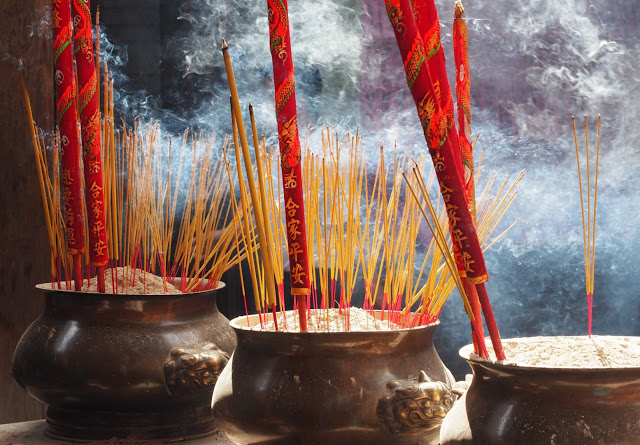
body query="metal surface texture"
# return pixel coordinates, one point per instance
(125, 366)
(332, 387)
(510, 404)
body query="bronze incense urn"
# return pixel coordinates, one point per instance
(374, 387)
(125, 366)
(513, 405)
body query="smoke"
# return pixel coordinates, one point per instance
(534, 64)
(42, 26)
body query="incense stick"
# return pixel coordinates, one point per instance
(588, 219)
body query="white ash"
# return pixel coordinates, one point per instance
(133, 282)
(358, 320)
(569, 351)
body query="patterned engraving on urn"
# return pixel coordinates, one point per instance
(415, 407)
(194, 369)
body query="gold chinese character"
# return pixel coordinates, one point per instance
(295, 249)
(292, 225)
(68, 216)
(71, 235)
(66, 195)
(95, 190)
(290, 180)
(297, 274)
(96, 208)
(446, 192)
(453, 217)
(438, 161)
(99, 247)
(94, 166)
(66, 178)
(291, 207)
(467, 262)
(459, 237)
(98, 227)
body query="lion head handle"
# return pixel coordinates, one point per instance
(415, 407)
(194, 369)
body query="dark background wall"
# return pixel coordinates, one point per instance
(23, 240)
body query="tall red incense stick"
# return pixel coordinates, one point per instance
(90, 124)
(463, 97)
(428, 24)
(285, 100)
(69, 144)
(442, 140)
(460, 53)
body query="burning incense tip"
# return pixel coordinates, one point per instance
(224, 45)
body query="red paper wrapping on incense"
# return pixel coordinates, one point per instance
(285, 101)
(428, 24)
(442, 143)
(463, 97)
(90, 124)
(68, 126)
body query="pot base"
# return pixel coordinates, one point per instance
(166, 426)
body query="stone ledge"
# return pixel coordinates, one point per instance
(32, 433)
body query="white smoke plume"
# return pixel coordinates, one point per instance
(534, 64)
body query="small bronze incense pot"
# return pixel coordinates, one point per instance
(515, 405)
(125, 366)
(375, 387)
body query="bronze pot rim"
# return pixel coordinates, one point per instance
(332, 343)
(46, 287)
(466, 352)
(254, 320)
(131, 308)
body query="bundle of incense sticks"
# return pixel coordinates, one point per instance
(417, 30)
(173, 224)
(88, 109)
(66, 109)
(73, 101)
(588, 211)
(365, 226)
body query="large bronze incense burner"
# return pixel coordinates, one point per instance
(376, 387)
(516, 405)
(125, 366)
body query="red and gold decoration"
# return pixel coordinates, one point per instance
(286, 114)
(428, 23)
(90, 124)
(68, 128)
(417, 30)
(443, 146)
(463, 96)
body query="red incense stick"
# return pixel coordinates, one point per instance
(442, 139)
(463, 97)
(428, 24)
(68, 127)
(90, 124)
(286, 114)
